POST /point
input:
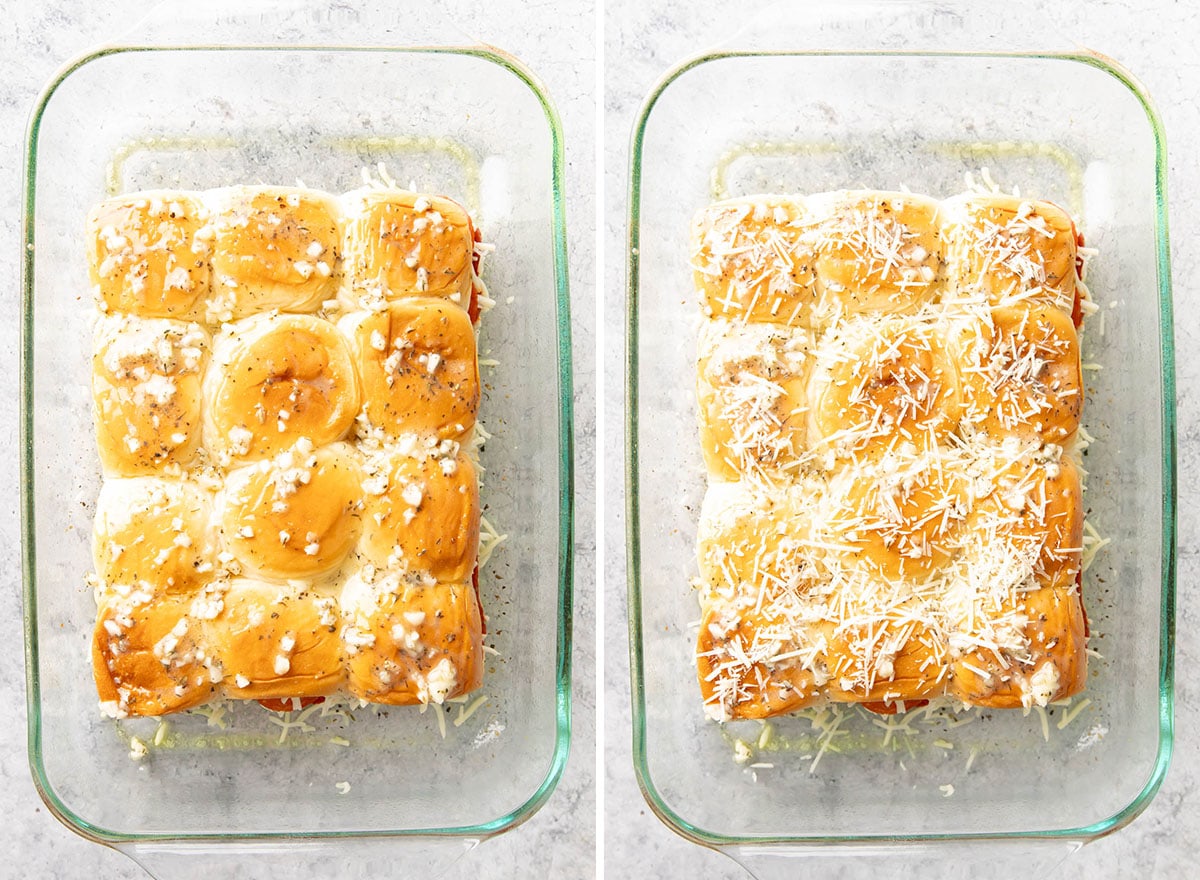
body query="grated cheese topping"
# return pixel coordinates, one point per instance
(889, 393)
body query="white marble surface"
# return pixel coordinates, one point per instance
(556, 40)
(1155, 40)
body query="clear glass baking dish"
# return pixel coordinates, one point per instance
(195, 98)
(816, 97)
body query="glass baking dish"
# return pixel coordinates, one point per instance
(192, 100)
(812, 98)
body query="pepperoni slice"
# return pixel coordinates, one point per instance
(1087, 627)
(475, 583)
(282, 704)
(1077, 307)
(473, 305)
(889, 707)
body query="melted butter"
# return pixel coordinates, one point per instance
(366, 149)
(973, 154)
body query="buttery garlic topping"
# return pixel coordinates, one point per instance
(286, 385)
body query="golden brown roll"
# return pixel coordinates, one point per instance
(1014, 606)
(1011, 251)
(875, 251)
(1029, 527)
(1030, 650)
(400, 243)
(881, 383)
(890, 652)
(760, 649)
(410, 643)
(149, 657)
(418, 366)
(750, 260)
(272, 248)
(296, 515)
(146, 392)
(752, 395)
(749, 542)
(275, 642)
(1025, 377)
(147, 254)
(422, 513)
(233, 435)
(153, 535)
(886, 385)
(275, 379)
(896, 516)
(755, 662)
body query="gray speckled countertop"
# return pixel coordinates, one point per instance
(557, 42)
(642, 39)
(1154, 40)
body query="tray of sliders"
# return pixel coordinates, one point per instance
(297, 525)
(900, 484)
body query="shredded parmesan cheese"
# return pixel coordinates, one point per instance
(889, 394)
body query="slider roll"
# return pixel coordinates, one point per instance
(752, 396)
(1025, 379)
(752, 664)
(1037, 655)
(296, 515)
(751, 541)
(146, 392)
(1011, 251)
(881, 383)
(896, 517)
(412, 643)
(148, 254)
(277, 379)
(417, 360)
(274, 642)
(153, 536)
(422, 514)
(150, 658)
(889, 655)
(272, 248)
(751, 261)
(400, 244)
(875, 252)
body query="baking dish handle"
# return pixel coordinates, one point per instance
(425, 857)
(295, 23)
(896, 26)
(977, 859)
